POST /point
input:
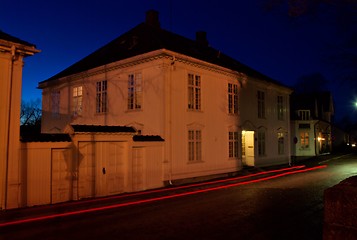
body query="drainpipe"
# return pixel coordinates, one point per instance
(13, 57)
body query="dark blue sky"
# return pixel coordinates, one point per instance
(68, 30)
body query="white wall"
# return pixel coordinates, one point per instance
(53, 172)
(271, 124)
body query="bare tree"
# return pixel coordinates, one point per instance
(311, 83)
(31, 112)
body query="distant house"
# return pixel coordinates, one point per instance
(12, 53)
(311, 115)
(214, 113)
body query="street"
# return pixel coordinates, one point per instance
(279, 205)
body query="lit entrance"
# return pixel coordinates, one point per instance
(248, 148)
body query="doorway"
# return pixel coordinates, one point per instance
(248, 148)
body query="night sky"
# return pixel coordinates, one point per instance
(267, 39)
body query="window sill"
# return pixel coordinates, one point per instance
(134, 110)
(194, 111)
(195, 162)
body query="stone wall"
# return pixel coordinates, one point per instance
(340, 210)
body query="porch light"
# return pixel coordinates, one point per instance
(320, 139)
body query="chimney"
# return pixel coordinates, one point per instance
(201, 38)
(152, 18)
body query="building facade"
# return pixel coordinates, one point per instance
(12, 54)
(215, 114)
(311, 128)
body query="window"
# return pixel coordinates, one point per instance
(261, 142)
(232, 98)
(134, 91)
(243, 143)
(55, 103)
(101, 98)
(233, 144)
(77, 100)
(261, 104)
(304, 114)
(194, 145)
(304, 139)
(280, 107)
(280, 143)
(194, 92)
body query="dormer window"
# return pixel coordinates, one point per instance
(304, 114)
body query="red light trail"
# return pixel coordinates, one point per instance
(154, 199)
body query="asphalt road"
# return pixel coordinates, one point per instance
(268, 205)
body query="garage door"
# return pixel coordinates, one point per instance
(101, 169)
(61, 176)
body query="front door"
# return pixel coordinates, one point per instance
(248, 147)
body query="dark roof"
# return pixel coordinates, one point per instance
(147, 138)
(8, 37)
(47, 137)
(145, 38)
(32, 133)
(321, 102)
(98, 128)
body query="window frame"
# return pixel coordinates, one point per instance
(261, 104)
(233, 145)
(77, 100)
(233, 98)
(194, 93)
(281, 143)
(101, 105)
(55, 103)
(280, 107)
(304, 139)
(194, 138)
(135, 86)
(261, 142)
(304, 115)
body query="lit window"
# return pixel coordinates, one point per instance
(134, 91)
(101, 98)
(261, 104)
(304, 139)
(232, 98)
(77, 100)
(233, 144)
(194, 145)
(194, 92)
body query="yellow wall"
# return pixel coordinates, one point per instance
(11, 63)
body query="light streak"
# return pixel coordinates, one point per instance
(96, 209)
(173, 188)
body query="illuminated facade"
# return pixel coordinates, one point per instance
(311, 115)
(215, 114)
(12, 53)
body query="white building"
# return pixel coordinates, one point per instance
(311, 127)
(214, 113)
(12, 54)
